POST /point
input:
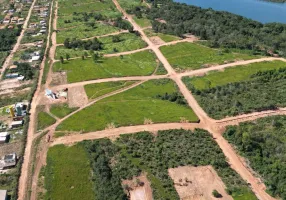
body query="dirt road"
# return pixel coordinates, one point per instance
(19, 39)
(31, 130)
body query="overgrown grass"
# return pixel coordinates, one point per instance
(68, 174)
(231, 75)
(61, 110)
(84, 31)
(164, 37)
(129, 5)
(131, 107)
(128, 42)
(44, 120)
(137, 64)
(186, 55)
(96, 90)
(142, 22)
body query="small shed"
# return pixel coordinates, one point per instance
(3, 194)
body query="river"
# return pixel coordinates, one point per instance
(261, 11)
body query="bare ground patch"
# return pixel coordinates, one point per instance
(156, 40)
(138, 188)
(14, 147)
(77, 97)
(59, 78)
(197, 183)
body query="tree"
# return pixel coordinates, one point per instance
(67, 56)
(216, 194)
(62, 59)
(115, 38)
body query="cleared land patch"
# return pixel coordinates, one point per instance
(186, 56)
(137, 64)
(255, 90)
(195, 183)
(96, 90)
(151, 102)
(126, 42)
(77, 97)
(164, 37)
(263, 144)
(68, 174)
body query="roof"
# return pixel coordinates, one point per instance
(3, 194)
(3, 134)
(17, 122)
(13, 67)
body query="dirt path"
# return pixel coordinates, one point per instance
(111, 133)
(132, 78)
(101, 36)
(18, 43)
(200, 72)
(31, 130)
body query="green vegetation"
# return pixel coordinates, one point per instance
(130, 5)
(137, 64)
(161, 70)
(85, 31)
(44, 120)
(232, 75)
(96, 90)
(61, 110)
(263, 143)
(142, 22)
(125, 42)
(67, 175)
(155, 101)
(164, 37)
(188, 55)
(132, 154)
(3, 55)
(221, 29)
(263, 90)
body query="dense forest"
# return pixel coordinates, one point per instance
(263, 143)
(132, 154)
(222, 29)
(264, 91)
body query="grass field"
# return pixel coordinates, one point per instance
(127, 4)
(96, 90)
(231, 75)
(68, 174)
(164, 37)
(68, 8)
(44, 120)
(131, 107)
(185, 56)
(84, 31)
(128, 42)
(142, 22)
(137, 64)
(61, 110)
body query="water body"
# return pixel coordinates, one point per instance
(261, 11)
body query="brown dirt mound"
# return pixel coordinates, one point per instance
(197, 183)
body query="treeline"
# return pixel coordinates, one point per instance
(174, 97)
(264, 91)
(222, 29)
(132, 154)
(74, 43)
(263, 143)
